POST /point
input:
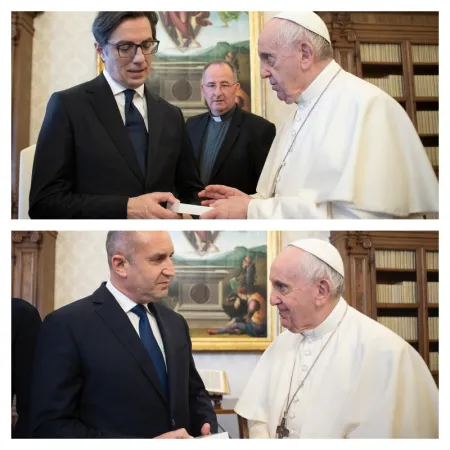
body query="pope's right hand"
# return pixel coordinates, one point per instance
(218, 192)
(181, 433)
(148, 206)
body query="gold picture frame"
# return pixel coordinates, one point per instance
(257, 97)
(214, 271)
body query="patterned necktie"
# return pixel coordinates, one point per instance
(149, 341)
(136, 129)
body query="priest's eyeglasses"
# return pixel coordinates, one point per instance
(223, 86)
(129, 49)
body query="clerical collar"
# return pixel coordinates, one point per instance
(225, 116)
(330, 323)
(117, 88)
(319, 84)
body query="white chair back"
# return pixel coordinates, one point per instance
(26, 167)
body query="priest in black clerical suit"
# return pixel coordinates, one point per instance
(230, 144)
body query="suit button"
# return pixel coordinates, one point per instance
(173, 423)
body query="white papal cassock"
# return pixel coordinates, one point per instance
(357, 151)
(367, 383)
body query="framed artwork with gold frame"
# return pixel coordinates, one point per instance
(221, 288)
(189, 40)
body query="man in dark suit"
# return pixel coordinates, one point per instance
(231, 145)
(25, 325)
(110, 148)
(118, 364)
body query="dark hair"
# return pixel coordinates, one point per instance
(107, 21)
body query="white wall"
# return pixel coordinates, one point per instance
(64, 56)
(81, 266)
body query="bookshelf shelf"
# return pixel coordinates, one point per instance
(396, 297)
(427, 99)
(397, 305)
(425, 64)
(381, 64)
(383, 269)
(435, 372)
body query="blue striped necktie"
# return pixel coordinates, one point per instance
(149, 341)
(137, 132)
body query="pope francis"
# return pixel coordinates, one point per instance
(348, 151)
(334, 373)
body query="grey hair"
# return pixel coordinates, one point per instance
(290, 32)
(221, 62)
(121, 243)
(314, 269)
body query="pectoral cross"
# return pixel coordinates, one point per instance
(282, 431)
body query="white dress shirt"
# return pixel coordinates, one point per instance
(138, 100)
(127, 305)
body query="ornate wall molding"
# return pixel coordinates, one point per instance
(33, 268)
(342, 28)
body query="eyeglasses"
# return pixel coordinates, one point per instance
(129, 50)
(223, 86)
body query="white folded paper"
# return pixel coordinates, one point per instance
(215, 436)
(184, 208)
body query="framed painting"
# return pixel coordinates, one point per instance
(221, 288)
(191, 39)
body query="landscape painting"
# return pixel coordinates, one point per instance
(221, 288)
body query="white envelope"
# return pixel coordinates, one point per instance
(184, 208)
(215, 436)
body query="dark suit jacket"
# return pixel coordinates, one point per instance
(25, 324)
(244, 150)
(85, 165)
(94, 378)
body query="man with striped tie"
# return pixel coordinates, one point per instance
(118, 364)
(110, 148)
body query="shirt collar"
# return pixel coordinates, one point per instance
(319, 83)
(225, 116)
(330, 323)
(126, 303)
(117, 88)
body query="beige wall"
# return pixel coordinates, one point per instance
(64, 56)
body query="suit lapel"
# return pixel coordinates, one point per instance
(232, 134)
(118, 322)
(155, 115)
(104, 104)
(198, 135)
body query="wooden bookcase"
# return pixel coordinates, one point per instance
(393, 276)
(397, 51)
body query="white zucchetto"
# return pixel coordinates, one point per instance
(323, 250)
(307, 19)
